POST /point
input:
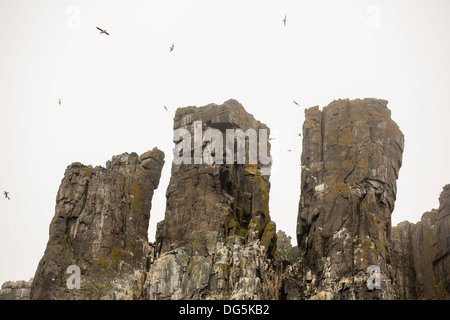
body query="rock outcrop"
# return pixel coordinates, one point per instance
(286, 254)
(16, 290)
(421, 254)
(100, 226)
(217, 235)
(217, 240)
(351, 157)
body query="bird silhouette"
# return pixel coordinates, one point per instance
(6, 194)
(284, 20)
(172, 47)
(304, 167)
(315, 178)
(272, 139)
(165, 108)
(299, 134)
(289, 150)
(296, 102)
(59, 102)
(103, 31)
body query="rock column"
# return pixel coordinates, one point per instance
(421, 254)
(352, 154)
(99, 231)
(217, 234)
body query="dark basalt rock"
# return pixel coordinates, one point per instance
(217, 233)
(16, 290)
(217, 240)
(421, 254)
(351, 157)
(100, 225)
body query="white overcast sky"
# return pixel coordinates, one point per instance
(113, 89)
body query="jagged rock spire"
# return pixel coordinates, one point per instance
(100, 226)
(353, 152)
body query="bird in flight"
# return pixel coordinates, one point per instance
(171, 48)
(272, 139)
(299, 134)
(284, 20)
(304, 167)
(315, 178)
(165, 108)
(59, 102)
(289, 150)
(102, 31)
(296, 102)
(6, 194)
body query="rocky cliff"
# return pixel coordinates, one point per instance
(217, 235)
(100, 226)
(218, 241)
(351, 157)
(16, 290)
(421, 254)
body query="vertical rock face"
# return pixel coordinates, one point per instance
(351, 158)
(218, 241)
(100, 226)
(16, 290)
(217, 233)
(285, 253)
(421, 254)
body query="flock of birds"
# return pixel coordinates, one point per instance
(104, 31)
(171, 48)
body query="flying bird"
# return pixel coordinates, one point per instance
(103, 31)
(315, 178)
(296, 102)
(165, 108)
(6, 194)
(272, 139)
(59, 102)
(171, 48)
(284, 20)
(304, 167)
(289, 150)
(299, 134)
